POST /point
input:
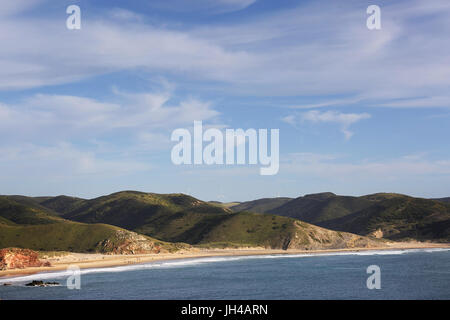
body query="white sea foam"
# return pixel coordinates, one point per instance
(198, 261)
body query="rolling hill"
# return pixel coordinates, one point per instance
(247, 229)
(74, 224)
(399, 218)
(316, 208)
(261, 205)
(182, 218)
(392, 216)
(24, 224)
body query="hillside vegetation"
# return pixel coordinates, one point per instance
(261, 205)
(443, 199)
(182, 218)
(131, 221)
(270, 231)
(27, 226)
(399, 217)
(388, 215)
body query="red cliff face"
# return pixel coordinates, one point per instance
(15, 258)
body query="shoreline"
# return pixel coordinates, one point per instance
(94, 260)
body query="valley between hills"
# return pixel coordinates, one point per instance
(132, 227)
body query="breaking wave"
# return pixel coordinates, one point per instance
(198, 261)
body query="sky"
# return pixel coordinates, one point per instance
(90, 112)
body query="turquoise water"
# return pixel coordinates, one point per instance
(406, 274)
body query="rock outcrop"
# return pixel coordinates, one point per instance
(311, 237)
(15, 258)
(377, 233)
(127, 242)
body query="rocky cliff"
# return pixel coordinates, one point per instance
(15, 258)
(127, 242)
(310, 237)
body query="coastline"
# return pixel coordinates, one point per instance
(94, 260)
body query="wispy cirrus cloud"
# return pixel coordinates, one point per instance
(59, 138)
(204, 6)
(41, 115)
(344, 120)
(289, 52)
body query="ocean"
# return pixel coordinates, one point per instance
(404, 274)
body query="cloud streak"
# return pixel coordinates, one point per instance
(303, 51)
(344, 120)
(42, 115)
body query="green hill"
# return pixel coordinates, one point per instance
(27, 226)
(271, 231)
(145, 212)
(260, 205)
(390, 215)
(398, 218)
(74, 224)
(182, 218)
(61, 204)
(316, 208)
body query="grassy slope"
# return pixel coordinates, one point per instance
(271, 231)
(162, 216)
(181, 218)
(61, 204)
(317, 208)
(26, 226)
(260, 205)
(247, 229)
(398, 216)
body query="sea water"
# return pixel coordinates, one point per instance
(405, 274)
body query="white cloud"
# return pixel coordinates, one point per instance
(73, 117)
(203, 6)
(66, 169)
(327, 103)
(301, 51)
(61, 160)
(335, 166)
(124, 15)
(49, 54)
(56, 137)
(10, 8)
(412, 174)
(422, 102)
(345, 120)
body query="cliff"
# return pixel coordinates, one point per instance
(15, 258)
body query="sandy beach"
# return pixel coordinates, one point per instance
(85, 260)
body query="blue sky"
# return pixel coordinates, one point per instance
(90, 112)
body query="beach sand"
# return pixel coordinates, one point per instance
(93, 260)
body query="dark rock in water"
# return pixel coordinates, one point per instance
(6, 284)
(36, 283)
